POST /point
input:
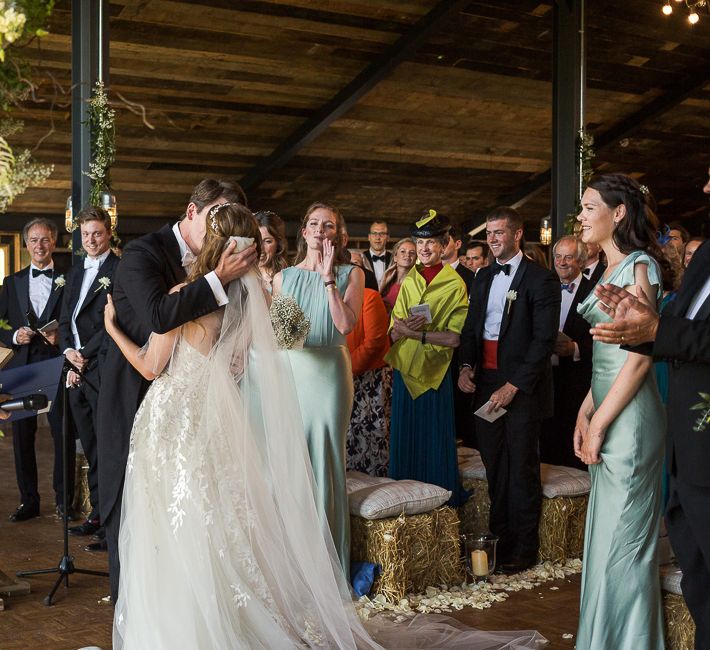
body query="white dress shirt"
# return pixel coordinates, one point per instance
(498, 298)
(699, 299)
(567, 300)
(91, 270)
(220, 295)
(378, 266)
(40, 290)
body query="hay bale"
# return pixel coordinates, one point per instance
(680, 628)
(415, 551)
(561, 527)
(81, 503)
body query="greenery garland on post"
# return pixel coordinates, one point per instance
(20, 23)
(101, 120)
(102, 126)
(585, 149)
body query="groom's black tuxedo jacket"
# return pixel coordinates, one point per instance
(527, 332)
(90, 319)
(685, 344)
(149, 268)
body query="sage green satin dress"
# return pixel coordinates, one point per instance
(324, 383)
(620, 604)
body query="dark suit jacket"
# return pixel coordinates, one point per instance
(575, 375)
(14, 305)
(90, 319)
(149, 268)
(686, 345)
(598, 272)
(467, 275)
(527, 332)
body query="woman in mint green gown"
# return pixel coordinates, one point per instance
(620, 433)
(330, 293)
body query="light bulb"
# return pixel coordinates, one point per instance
(667, 10)
(693, 18)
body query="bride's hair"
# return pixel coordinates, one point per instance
(223, 221)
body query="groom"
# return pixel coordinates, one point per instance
(149, 268)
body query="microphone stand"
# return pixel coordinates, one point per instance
(66, 563)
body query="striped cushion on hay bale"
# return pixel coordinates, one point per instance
(564, 505)
(401, 526)
(679, 625)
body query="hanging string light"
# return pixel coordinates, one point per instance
(693, 6)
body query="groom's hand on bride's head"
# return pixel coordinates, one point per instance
(233, 265)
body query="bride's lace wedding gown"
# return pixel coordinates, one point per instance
(221, 546)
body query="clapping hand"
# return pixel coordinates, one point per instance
(76, 358)
(326, 258)
(635, 318)
(401, 328)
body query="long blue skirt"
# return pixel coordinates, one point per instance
(423, 437)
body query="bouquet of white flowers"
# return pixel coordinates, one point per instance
(289, 322)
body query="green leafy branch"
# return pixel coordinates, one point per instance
(702, 422)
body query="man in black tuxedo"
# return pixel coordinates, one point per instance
(450, 256)
(476, 255)
(595, 266)
(81, 334)
(505, 350)
(462, 401)
(35, 290)
(681, 336)
(377, 258)
(149, 268)
(572, 361)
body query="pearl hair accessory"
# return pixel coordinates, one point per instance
(212, 215)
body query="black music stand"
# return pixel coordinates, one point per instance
(66, 563)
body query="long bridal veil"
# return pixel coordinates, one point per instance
(221, 543)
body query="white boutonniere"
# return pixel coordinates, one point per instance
(103, 283)
(59, 282)
(511, 297)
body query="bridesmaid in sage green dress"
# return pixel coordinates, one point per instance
(620, 434)
(330, 293)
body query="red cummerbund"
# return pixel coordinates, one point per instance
(490, 355)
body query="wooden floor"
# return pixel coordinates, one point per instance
(80, 618)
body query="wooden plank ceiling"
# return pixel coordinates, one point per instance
(461, 123)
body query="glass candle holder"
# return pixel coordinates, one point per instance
(480, 555)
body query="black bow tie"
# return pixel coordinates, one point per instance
(587, 271)
(497, 268)
(36, 272)
(378, 258)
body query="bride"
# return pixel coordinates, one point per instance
(220, 542)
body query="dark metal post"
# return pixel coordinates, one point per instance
(567, 107)
(89, 63)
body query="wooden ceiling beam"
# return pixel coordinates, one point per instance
(692, 83)
(404, 47)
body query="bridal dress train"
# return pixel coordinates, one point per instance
(221, 545)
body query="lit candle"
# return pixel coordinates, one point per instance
(479, 563)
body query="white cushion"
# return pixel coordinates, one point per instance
(470, 464)
(670, 579)
(392, 498)
(358, 480)
(560, 481)
(557, 480)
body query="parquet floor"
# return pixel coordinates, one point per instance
(79, 618)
